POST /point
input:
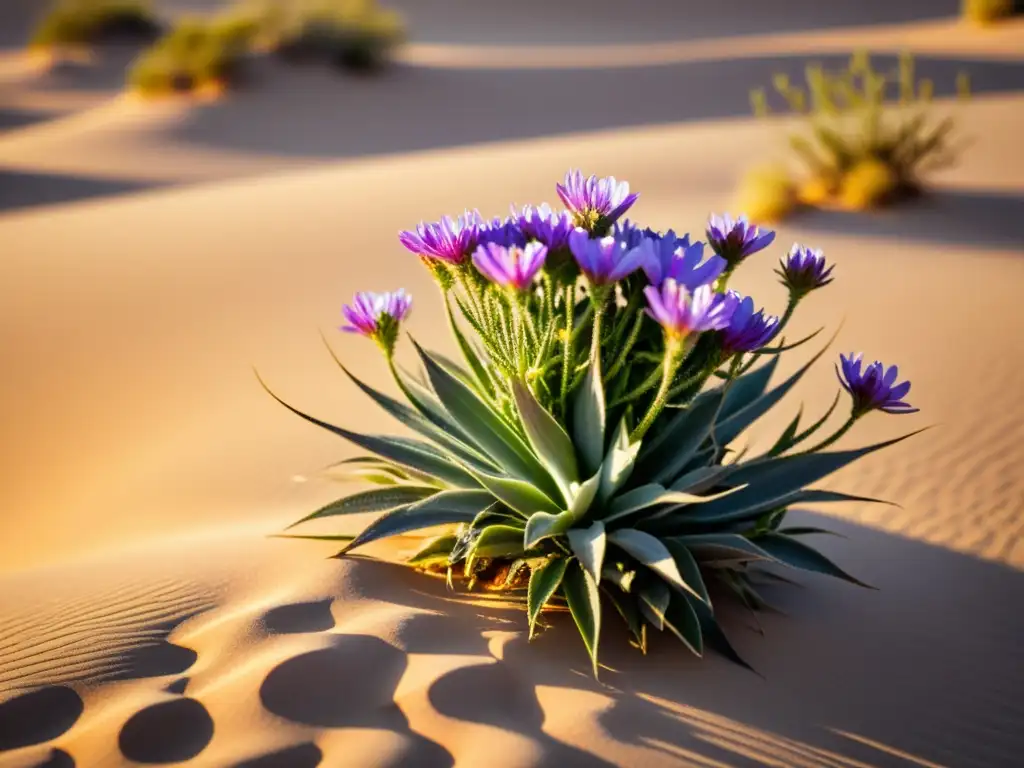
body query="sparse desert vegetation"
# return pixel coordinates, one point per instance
(871, 137)
(81, 23)
(989, 11)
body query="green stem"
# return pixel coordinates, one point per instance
(794, 299)
(723, 279)
(620, 359)
(570, 306)
(647, 384)
(668, 371)
(595, 339)
(835, 436)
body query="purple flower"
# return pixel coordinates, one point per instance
(803, 270)
(449, 240)
(677, 259)
(873, 389)
(512, 267)
(504, 232)
(747, 330)
(629, 233)
(682, 312)
(735, 240)
(545, 225)
(377, 315)
(606, 260)
(595, 201)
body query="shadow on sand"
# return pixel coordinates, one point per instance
(975, 219)
(929, 668)
(23, 189)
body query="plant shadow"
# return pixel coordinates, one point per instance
(970, 218)
(928, 668)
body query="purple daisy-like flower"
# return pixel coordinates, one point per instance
(449, 240)
(377, 315)
(677, 259)
(747, 330)
(803, 270)
(513, 267)
(874, 388)
(541, 223)
(606, 260)
(593, 200)
(505, 232)
(682, 312)
(735, 240)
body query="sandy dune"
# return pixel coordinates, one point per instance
(145, 617)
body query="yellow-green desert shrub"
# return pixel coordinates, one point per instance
(768, 194)
(195, 55)
(73, 23)
(988, 11)
(860, 120)
(354, 34)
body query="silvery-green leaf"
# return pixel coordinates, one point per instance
(683, 437)
(544, 582)
(804, 434)
(585, 606)
(550, 442)
(714, 637)
(375, 500)
(654, 599)
(618, 463)
(798, 555)
(434, 551)
(589, 544)
(799, 530)
(785, 441)
(487, 429)
(582, 497)
(402, 451)
(468, 352)
(542, 525)
(654, 495)
(516, 494)
(774, 482)
(627, 608)
(588, 419)
(688, 568)
(681, 620)
(747, 388)
(678, 500)
(719, 547)
(496, 541)
(444, 432)
(699, 480)
(650, 552)
(440, 509)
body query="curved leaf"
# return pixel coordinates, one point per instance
(516, 494)
(688, 568)
(495, 541)
(720, 547)
(685, 434)
(747, 388)
(544, 582)
(627, 608)
(470, 354)
(485, 427)
(681, 620)
(798, 530)
(654, 600)
(434, 551)
(440, 509)
(588, 419)
(589, 544)
(542, 525)
(402, 451)
(713, 636)
(654, 495)
(618, 463)
(585, 606)
(649, 551)
(550, 442)
(375, 500)
(798, 555)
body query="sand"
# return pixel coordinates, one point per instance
(154, 254)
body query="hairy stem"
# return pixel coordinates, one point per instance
(570, 306)
(669, 366)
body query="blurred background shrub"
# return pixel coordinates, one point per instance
(72, 23)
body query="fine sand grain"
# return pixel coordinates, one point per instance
(146, 617)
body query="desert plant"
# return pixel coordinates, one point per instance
(196, 54)
(354, 34)
(73, 23)
(854, 126)
(585, 451)
(989, 11)
(767, 194)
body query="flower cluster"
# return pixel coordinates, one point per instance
(606, 370)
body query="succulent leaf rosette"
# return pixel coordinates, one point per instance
(579, 455)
